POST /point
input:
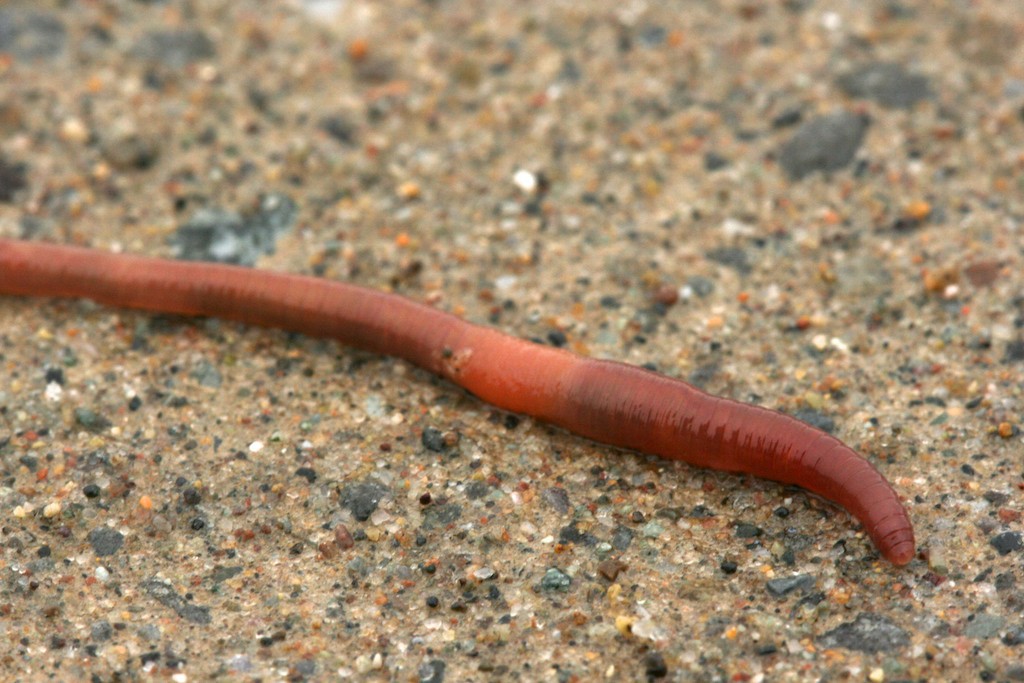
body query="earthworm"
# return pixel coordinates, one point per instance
(607, 401)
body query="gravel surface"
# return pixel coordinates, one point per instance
(813, 206)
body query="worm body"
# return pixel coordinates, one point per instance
(606, 401)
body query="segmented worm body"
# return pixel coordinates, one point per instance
(606, 401)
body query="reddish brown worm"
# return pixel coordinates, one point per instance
(606, 401)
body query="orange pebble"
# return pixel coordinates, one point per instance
(409, 190)
(358, 49)
(918, 210)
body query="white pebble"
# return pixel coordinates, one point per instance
(53, 391)
(74, 130)
(505, 282)
(363, 664)
(832, 21)
(483, 574)
(732, 227)
(525, 181)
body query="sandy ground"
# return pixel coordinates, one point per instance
(814, 206)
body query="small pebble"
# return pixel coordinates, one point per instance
(826, 143)
(1007, 542)
(101, 631)
(409, 190)
(555, 580)
(655, 666)
(784, 586)
(105, 541)
(888, 83)
(191, 496)
(556, 497)
(484, 574)
(652, 530)
(74, 130)
(91, 420)
(433, 440)
(362, 499)
(983, 626)
(432, 671)
(666, 295)
(525, 181)
(869, 633)
(938, 561)
(747, 530)
(363, 664)
(30, 34)
(174, 48)
(610, 569)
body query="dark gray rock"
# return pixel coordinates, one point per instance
(432, 671)
(827, 143)
(867, 633)
(101, 631)
(555, 580)
(1007, 542)
(786, 585)
(224, 236)
(362, 499)
(557, 498)
(105, 541)
(91, 420)
(13, 177)
(440, 516)
(164, 593)
(30, 35)
(175, 48)
(888, 83)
